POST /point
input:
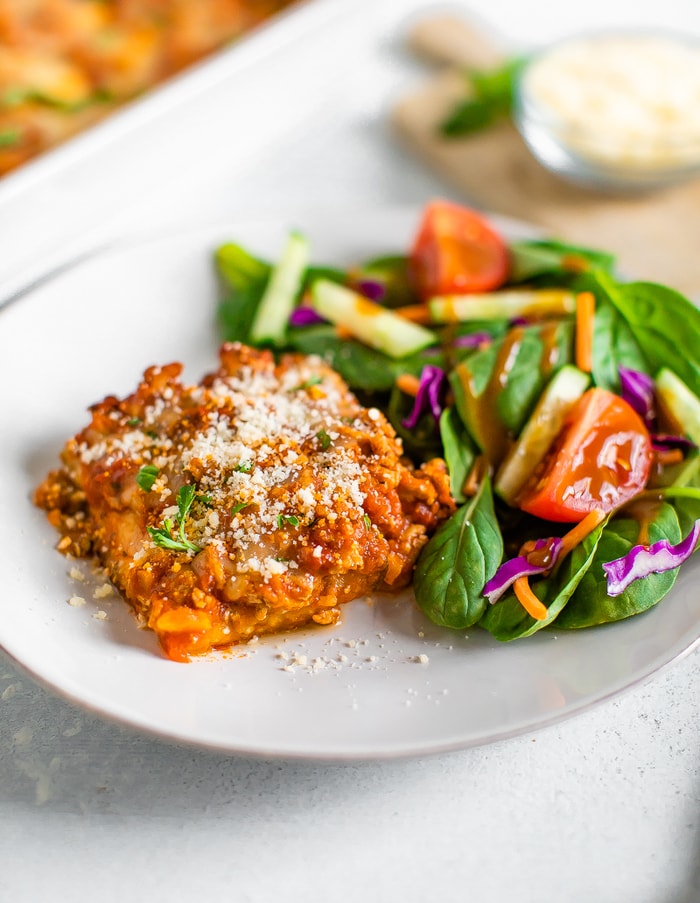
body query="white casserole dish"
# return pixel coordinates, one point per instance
(190, 132)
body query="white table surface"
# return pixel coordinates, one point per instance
(602, 808)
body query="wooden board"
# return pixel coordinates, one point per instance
(656, 235)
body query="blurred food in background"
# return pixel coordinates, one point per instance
(65, 64)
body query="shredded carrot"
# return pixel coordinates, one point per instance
(529, 601)
(576, 535)
(416, 313)
(585, 312)
(575, 264)
(668, 456)
(408, 384)
(343, 333)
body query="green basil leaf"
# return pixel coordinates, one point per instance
(459, 559)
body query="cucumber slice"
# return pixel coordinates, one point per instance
(540, 431)
(280, 295)
(369, 322)
(681, 402)
(501, 305)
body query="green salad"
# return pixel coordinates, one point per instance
(564, 400)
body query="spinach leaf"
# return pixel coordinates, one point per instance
(495, 328)
(238, 269)
(487, 387)
(614, 346)
(458, 451)
(666, 327)
(394, 273)
(643, 326)
(530, 258)
(454, 566)
(687, 511)
(507, 619)
(361, 367)
(684, 474)
(522, 383)
(529, 373)
(314, 272)
(591, 605)
(243, 280)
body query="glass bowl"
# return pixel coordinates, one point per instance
(618, 111)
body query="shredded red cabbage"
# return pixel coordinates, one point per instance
(431, 390)
(521, 566)
(641, 561)
(637, 389)
(473, 340)
(372, 289)
(305, 316)
(666, 442)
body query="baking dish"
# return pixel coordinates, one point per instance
(190, 132)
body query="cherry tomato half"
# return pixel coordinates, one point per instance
(601, 459)
(456, 252)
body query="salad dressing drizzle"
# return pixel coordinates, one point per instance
(644, 510)
(550, 347)
(483, 408)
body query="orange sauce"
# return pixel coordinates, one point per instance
(550, 347)
(644, 510)
(366, 308)
(483, 409)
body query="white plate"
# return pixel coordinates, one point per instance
(91, 332)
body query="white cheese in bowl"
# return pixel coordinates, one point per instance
(628, 103)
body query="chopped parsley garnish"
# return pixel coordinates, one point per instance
(205, 500)
(146, 477)
(133, 421)
(10, 137)
(290, 519)
(16, 97)
(308, 383)
(151, 434)
(244, 467)
(237, 508)
(324, 439)
(367, 521)
(163, 536)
